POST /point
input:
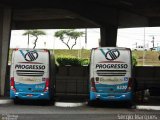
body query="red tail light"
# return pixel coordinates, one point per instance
(130, 84)
(93, 87)
(12, 84)
(16, 49)
(46, 85)
(45, 50)
(95, 48)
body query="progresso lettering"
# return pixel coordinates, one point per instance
(40, 67)
(115, 66)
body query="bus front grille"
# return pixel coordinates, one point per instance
(111, 72)
(29, 73)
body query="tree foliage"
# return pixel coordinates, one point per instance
(67, 35)
(134, 61)
(34, 33)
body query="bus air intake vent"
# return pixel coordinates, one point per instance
(111, 72)
(29, 73)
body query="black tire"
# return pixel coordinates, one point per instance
(92, 103)
(16, 101)
(51, 102)
(47, 102)
(131, 104)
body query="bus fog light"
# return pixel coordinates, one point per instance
(129, 88)
(123, 95)
(42, 94)
(97, 96)
(17, 93)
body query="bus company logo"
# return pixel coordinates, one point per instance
(111, 54)
(30, 55)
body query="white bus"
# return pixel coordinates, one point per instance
(30, 75)
(111, 74)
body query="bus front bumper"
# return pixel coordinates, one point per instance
(127, 96)
(29, 96)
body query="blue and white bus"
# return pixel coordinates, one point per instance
(30, 75)
(111, 74)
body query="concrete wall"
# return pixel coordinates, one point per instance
(72, 80)
(148, 78)
(5, 29)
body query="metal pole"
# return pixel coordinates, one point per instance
(85, 38)
(28, 40)
(153, 41)
(144, 48)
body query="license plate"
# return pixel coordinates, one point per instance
(111, 97)
(29, 95)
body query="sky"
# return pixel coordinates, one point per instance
(141, 36)
(126, 37)
(20, 41)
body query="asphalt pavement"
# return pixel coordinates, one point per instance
(76, 110)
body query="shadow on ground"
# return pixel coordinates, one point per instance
(34, 102)
(111, 104)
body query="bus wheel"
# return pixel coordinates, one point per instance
(131, 104)
(47, 102)
(51, 102)
(16, 101)
(91, 103)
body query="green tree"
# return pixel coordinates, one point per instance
(35, 33)
(69, 34)
(134, 60)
